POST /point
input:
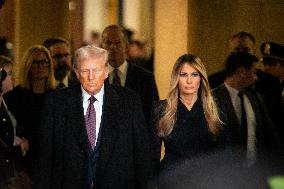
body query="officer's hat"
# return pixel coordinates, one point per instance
(272, 51)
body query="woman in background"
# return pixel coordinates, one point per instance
(187, 121)
(34, 80)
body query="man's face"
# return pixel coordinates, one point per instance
(113, 41)
(247, 77)
(242, 45)
(60, 54)
(92, 74)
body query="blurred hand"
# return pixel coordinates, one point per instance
(23, 143)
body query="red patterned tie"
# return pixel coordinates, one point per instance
(90, 120)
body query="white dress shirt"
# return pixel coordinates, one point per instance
(98, 106)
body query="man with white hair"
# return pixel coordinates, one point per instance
(93, 135)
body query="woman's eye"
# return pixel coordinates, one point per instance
(183, 74)
(195, 74)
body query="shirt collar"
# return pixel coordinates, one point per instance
(122, 68)
(232, 91)
(99, 96)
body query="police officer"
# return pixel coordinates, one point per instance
(269, 82)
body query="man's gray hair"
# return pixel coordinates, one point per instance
(89, 52)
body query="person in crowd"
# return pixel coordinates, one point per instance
(187, 121)
(60, 52)
(125, 74)
(269, 82)
(95, 38)
(248, 128)
(94, 135)
(13, 146)
(265, 85)
(137, 55)
(240, 42)
(34, 80)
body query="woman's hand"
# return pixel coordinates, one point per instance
(23, 143)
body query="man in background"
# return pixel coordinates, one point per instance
(123, 73)
(60, 52)
(269, 82)
(247, 125)
(240, 42)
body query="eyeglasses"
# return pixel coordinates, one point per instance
(44, 62)
(60, 56)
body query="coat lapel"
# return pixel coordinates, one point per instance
(229, 108)
(77, 119)
(109, 127)
(130, 77)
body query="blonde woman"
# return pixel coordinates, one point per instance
(34, 79)
(35, 72)
(187, 121)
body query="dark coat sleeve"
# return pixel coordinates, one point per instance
(42, 179)
(144, 164)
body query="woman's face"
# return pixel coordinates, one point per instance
(8, 83)
(40, 68)
(189, 80)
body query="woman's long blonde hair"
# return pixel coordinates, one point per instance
(168, 119)
(22, 78)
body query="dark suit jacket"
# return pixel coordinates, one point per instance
(266, 136)
(8, 152)
(143, 83)
(270, 89)
(123, 152)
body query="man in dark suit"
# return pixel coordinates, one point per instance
(124, 73)
(93, 135)
(60, 53)
(267, 84)
(247, 126)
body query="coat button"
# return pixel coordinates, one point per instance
(7, 161)
(4, 119)
(7, 134)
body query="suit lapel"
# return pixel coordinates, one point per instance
(130, 81)
(77, 119)
(109, 127)
(229, 106)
